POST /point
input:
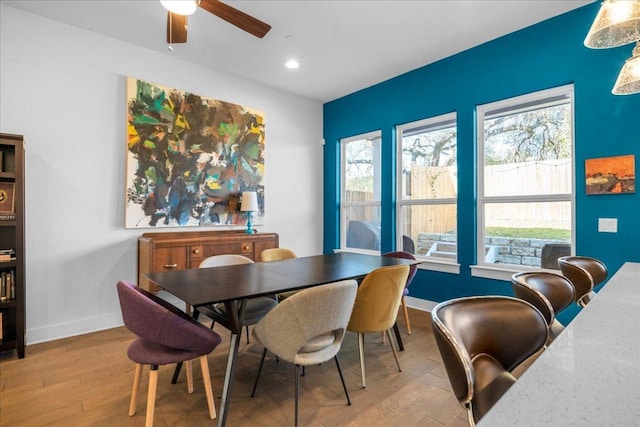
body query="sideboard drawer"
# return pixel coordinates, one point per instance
(174, 258)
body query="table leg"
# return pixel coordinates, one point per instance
(236, 317)
(228, 379)
(176, 371)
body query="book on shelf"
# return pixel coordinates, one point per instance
(7, 217)
(7, 286)
(7, 255)
(1, 326)
(3, 286)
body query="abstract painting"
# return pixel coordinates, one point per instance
(189, 158)
(611, 175)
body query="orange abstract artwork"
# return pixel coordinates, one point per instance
(611, 175)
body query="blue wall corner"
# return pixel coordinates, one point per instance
(545, 55)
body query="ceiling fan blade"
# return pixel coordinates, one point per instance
(236, 17)
(176, 28)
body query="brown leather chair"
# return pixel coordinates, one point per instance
(548, 292)
(585, 273)
(481, 340)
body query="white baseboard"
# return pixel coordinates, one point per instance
(86, 326)
(420, 304)
(71, 329)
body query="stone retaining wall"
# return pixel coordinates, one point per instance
(509, 250)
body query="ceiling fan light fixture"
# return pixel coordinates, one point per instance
(617, 23)
(180, 7)
(629, 78)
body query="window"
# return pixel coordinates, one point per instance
(525, 180)
(360, 192)
(428, 188)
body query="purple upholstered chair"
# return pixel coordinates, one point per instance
(166, 336)
(412, 272)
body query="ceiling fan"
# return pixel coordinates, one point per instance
(177, 18)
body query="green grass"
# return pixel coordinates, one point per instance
(529, 233)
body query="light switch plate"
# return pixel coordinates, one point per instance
(608, 225)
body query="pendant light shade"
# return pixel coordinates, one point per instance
(180, 7)
(629, 79)
(617, 23)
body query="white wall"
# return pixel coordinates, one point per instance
(63, 88)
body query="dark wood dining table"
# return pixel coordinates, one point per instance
(234, 284)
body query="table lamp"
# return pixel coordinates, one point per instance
(249, 204)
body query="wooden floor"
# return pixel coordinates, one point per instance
(86, 381)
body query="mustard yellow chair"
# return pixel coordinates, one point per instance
(413, 269)
(376, 306)
(278, 254)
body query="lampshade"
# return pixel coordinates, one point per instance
(180, 7)
(629, 79)
(249, 201)
(617, 23)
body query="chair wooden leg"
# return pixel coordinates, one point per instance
(206, 377)
(151, 396)
(134, 392)
(255, 385)
(361, 349)
(189, 368)
(393, 348)
(406, 316)
(247, 328)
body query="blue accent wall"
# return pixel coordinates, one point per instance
(546, 55)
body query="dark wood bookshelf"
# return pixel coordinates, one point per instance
(12, 237)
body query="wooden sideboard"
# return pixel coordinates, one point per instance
(185, 250)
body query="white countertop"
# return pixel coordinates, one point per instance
(590, 375)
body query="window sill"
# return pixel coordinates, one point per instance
(357, 251)
(425, 263)
(443, 267)
(497, 273)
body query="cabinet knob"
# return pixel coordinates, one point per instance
(196, 251)
(170, 265)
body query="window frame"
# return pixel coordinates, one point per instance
(434, 123)
(539, 99)
(344, 205)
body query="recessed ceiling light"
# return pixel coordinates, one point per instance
(292, 64)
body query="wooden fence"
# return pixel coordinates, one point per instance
(431, 182)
